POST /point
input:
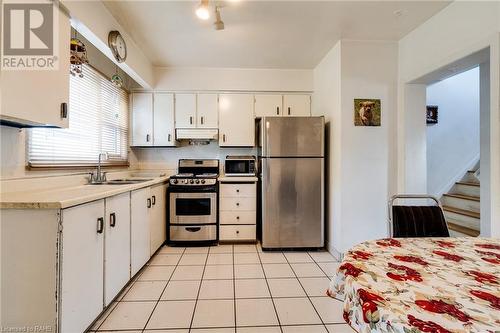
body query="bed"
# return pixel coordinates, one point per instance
(421, 285)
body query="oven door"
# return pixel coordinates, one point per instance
(193, 208)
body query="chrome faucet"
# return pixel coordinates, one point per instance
(98, 177)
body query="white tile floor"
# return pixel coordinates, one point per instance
(229, 288)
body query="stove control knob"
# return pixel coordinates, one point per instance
(175, 181)
(203, 181)
(197, 181)
(191, 181)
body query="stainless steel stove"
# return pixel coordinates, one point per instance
(193, 204)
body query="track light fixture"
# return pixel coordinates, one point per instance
(202, 10)
(218, 24)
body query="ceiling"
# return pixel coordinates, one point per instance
(263, 34)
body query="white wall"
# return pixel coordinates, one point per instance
(233, 79)
(452, 143)
(362, 159)
(327, 101)
(485, 190)
(459, 30)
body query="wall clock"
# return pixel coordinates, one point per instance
(117, 45)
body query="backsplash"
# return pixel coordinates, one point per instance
(166, 158)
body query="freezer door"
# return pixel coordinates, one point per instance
(292, 202)
(293, 136)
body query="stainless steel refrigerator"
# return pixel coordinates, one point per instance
(291, 155)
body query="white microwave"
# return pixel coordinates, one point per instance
(237, 166)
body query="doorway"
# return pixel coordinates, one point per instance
(428, 146)
(453, 149)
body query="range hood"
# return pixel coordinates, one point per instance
(196, 133)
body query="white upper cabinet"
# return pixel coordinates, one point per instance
(153, 119)
(163, 119)
(39, 97)
(142, 119)
(196, 110)
(268, 105)
(297, 105)
(236, 120)
(185, 110)
(207, 115)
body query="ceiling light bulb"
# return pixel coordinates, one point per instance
(202, 10)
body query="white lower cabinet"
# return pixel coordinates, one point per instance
(116, 245)
(237, 232)
(82, 266)
(71, 263)
(140, 205)
(238, 211)
(158, 217)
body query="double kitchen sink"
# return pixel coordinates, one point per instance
(123, 181)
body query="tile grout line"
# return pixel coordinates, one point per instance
(161, 294)
(305, 292)
(127, 290)
(269, 289)
(199, 290)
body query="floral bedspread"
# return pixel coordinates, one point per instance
(421, 285)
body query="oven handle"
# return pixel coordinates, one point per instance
(193, 229)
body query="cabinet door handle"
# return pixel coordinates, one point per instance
(237, 217)
(237, 190)
(112, 219)
(169, 137)
(201, 120)
(278, 110)
(237, 204)
(100, 225)
(288, 110)
(193, 229)
(64, 110)
(191, 120)
(147, 137)
(154, 199)
(237, 231)
(223, 137)
(149, 203)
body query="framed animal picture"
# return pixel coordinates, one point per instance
(367, 112)
(432, 114)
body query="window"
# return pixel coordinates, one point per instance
(98, 123)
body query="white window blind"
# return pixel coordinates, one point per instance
(98, 123)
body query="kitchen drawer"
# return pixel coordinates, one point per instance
(189, 233)
(237, 204)
(237, 217)
(237, 232)
(238, 190)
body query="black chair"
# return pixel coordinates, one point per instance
(416, 221)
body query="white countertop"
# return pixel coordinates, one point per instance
(70, 196)
(243, 179)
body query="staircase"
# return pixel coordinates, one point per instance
(461, 205)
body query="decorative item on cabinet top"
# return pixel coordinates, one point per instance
(78, 55)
